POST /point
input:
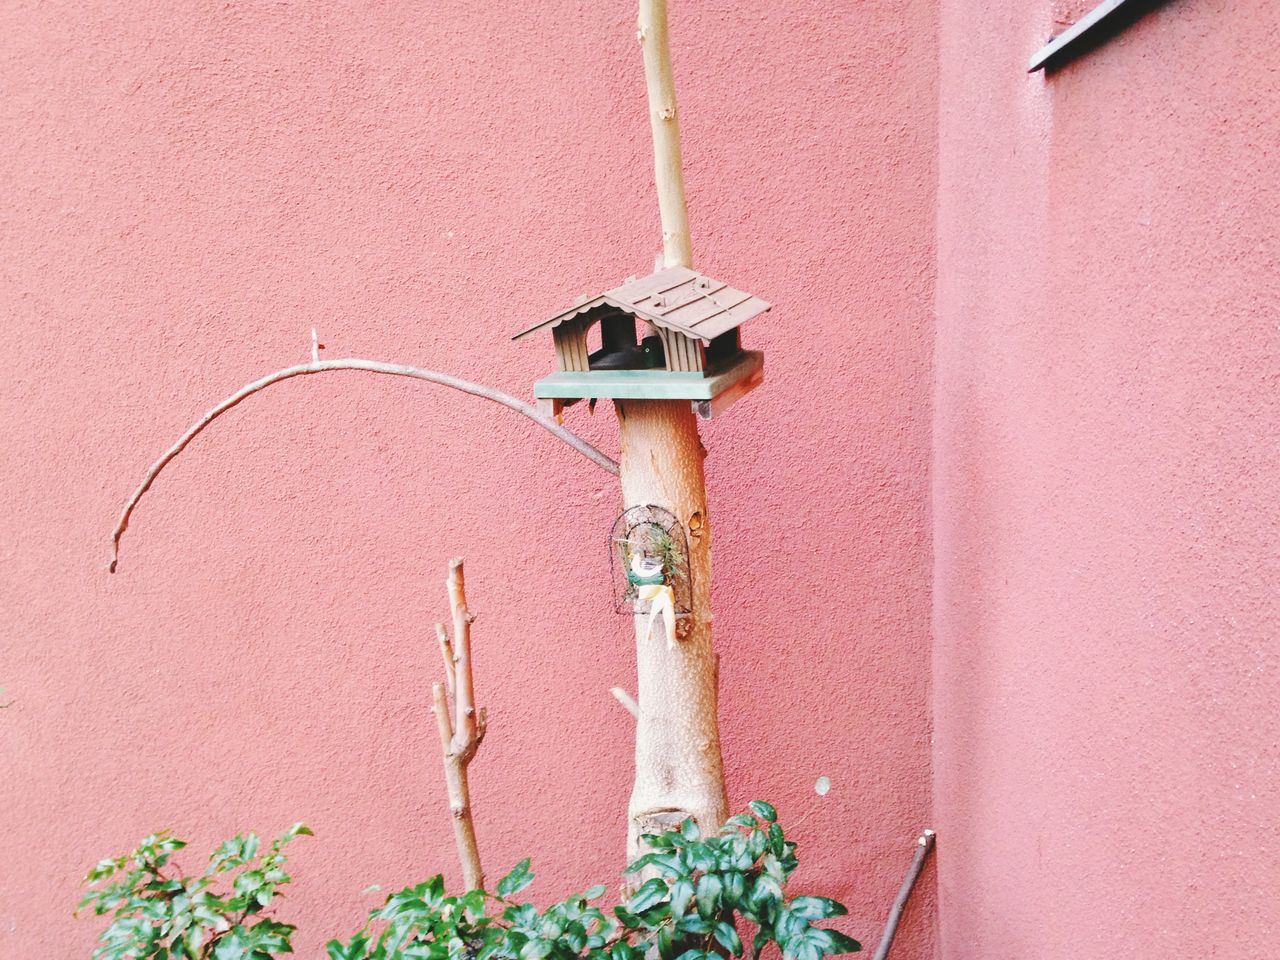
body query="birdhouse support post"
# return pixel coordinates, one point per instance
(679, 770)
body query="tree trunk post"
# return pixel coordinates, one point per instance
(679, 771)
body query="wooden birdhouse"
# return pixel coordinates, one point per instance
(673, 335)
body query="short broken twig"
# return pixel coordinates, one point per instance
(924, 846)
(627, 701)
(446, 654)
(598, 457)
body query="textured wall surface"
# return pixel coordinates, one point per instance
(1107, 671)
(186, 188)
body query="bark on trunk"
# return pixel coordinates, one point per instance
(679, 772)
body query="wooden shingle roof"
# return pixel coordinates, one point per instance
(676, 298)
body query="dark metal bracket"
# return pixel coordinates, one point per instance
(1093, 29)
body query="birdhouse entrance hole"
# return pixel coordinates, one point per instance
(648, 547)
(609, 339)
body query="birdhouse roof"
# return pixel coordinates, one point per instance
(677, 299)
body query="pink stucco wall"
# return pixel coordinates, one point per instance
(1107, 671)
(186, 188)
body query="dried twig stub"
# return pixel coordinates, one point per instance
(628, 701)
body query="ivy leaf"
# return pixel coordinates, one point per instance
(658, 841)
(787, 924)
(765, 811)
(656, 916)
(667, 863)
(777, 845)
(709, 890)
(811, 943)
(735, 885)
(596, 891)
(536, 949)
(516, 880)
(297, 830)
(549, 929)
(104, 869)
(817, 908)
(689, 829)
(765, 897)
(700, 857)
(650, 892)
(728, 938)
(737, 856)
(694, 924)
(681, 894)
(639, 863)
(840, 943)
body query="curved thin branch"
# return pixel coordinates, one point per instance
(596, 456)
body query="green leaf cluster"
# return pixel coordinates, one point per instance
(698, 897)
(159, 913)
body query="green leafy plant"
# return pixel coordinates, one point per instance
(705, 892)
(671, 556)
(159, 913)
(699, 897)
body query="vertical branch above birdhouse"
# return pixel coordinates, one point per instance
(664, 119)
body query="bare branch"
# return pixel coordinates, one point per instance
(460, 736)
(464, 695)
(668, 174)
(596, 456)
(626, 700)
(440, 707)
(455, 779)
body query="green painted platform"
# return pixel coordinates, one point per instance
(649, 384)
